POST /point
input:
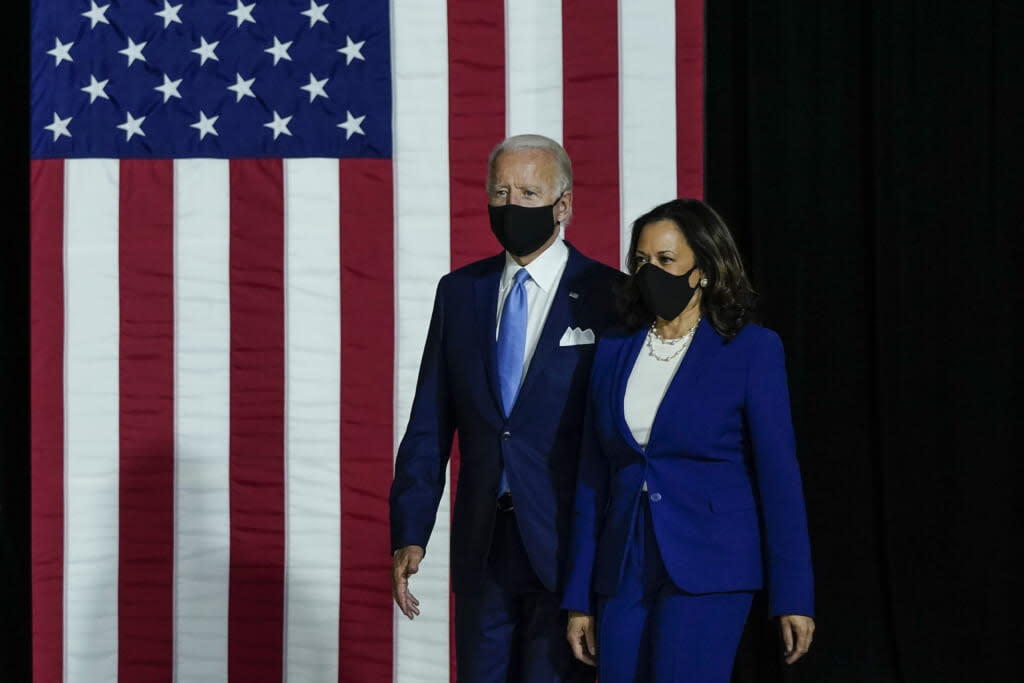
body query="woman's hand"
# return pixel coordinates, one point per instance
(797, 634)
(580, 633)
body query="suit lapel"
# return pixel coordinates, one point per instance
(706, 342)
(560, 316)
(486, 294)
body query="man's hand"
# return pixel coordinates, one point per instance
(580, 633)
(797, 634)
(406, 562)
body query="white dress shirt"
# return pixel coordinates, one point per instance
(545, 273)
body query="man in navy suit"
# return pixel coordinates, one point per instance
(506, 365)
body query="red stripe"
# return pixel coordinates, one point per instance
(690, 97)
(476, 119)
(476, 123)
(47, 368)
(367, 412)
(591, 124)
(256, 593)
(146, 486)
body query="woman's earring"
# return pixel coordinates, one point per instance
(703, 282)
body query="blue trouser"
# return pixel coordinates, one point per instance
(510, 629)
(653, 631)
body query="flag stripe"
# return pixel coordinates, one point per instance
(312, 390)
(92, 398)
(422, 255)
(202, 344)
(647, 85)
(145, 557)
(47, 367)
(591, 115)
(476, 102)
(533, 83)
(690, 97)
(255, 610)
(367, 400)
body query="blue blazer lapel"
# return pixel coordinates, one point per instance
(706, 342)
(486, 292)
(560, 316)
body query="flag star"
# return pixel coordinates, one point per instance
(315, 87)
(243, 13)
(169, 14)
(205, 125)
(280, 50)
(242, 87)
(61, 52)
(352, 50)
(133, 51)
(59, 126)
(279, 125)
(132, 126)
(206, 51)
(96, 89)
(169, 88)
(97, 15)
(316, 13)
(352, 124)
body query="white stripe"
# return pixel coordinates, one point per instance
(422, 242)
(647, 106)
(91, 407)
(312, 408)
(202, 346)
(533, 67)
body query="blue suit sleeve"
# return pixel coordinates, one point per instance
(787, 547)
(424, 450)
(591, 501)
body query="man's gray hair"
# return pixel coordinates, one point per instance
(563, 167)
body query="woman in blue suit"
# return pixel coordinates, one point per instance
(689, 496)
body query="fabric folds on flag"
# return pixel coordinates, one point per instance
(240, 211)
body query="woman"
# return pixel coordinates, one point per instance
(688, 458)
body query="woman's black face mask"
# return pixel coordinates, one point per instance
(664, 293)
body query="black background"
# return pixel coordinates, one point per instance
(869, 157)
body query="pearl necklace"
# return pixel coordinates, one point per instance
(682, 342)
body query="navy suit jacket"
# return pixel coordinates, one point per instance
(726, 499)
(538, 443)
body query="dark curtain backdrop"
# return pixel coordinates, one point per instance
(869, 156)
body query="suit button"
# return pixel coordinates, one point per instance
(655, 497)
(506, 435)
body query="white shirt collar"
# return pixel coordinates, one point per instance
(544, 270)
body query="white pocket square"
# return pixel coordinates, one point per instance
(574, 336)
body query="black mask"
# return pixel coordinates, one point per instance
(665, 294)
(522, 230)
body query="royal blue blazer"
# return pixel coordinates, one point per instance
(723, 482)
(538, 443)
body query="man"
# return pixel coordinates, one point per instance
(506, 364)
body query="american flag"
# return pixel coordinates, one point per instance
(239, 214)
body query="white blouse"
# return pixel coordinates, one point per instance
(648, 383)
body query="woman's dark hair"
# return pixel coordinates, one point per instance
(727, 302)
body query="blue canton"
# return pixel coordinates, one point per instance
(213, 78)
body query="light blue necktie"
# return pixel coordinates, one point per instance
(512, 348)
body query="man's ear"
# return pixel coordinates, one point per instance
(563, 207)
